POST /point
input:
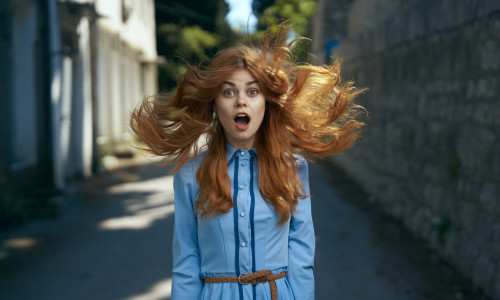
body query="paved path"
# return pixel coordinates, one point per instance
(115, 243)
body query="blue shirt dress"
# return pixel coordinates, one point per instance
(246, 239)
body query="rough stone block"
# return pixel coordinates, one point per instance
(495, 241)
(440, 200)
(495, 108)
(467, 254)
(474, 149)
(487, 6)
(485, 88)
(447, 201)
(456, 12)
(416, 22)
(471, 9)
(433, 135)
(484, 270)
(482, 235)
(466, 217)
(434, 239)
(414, 219)
(470, 90)
(489, 197)
(496, 282)
(495, 166)
(427, 223)
(495, 26)
(490, 60)
(437, 174)
(435, 16)
(450, 245)
(468, 189)
(483, 114)
(458, 114)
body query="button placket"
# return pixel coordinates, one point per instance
(243, 207)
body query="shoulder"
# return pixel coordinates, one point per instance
(185, 182)
(300, 160)
(302, 166)
(189, 169)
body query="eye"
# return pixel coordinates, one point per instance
(253, 92)
(228, 93)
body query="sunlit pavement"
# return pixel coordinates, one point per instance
(115, 243)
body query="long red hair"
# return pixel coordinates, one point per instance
(308, 111)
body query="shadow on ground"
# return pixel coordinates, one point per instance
(363, 254)
(114, 245)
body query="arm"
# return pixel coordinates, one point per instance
(301, 242)
(186, 281)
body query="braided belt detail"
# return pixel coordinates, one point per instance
(253, 278)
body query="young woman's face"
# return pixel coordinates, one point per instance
(240, 107)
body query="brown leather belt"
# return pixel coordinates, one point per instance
(253, 278)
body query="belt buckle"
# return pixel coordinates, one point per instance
(239, 279)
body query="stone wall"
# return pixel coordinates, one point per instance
(430, 153)
(328, 12)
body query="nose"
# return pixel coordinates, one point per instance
(241, 101)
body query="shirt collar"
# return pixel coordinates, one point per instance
(231, 152)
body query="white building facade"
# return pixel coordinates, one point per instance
(72, 71)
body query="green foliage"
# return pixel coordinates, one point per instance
(298, 12)
(192, 42)
(205, 13)
(192, 31)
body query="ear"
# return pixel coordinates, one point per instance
(214, 110)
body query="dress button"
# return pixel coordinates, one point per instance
(242, 187)
(242, 153)
(244, 163)
(242, 214)
(243, 244)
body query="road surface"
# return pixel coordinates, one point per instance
(114, 242)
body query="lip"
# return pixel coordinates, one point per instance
(239, 126)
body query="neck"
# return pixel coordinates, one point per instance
(242, 145)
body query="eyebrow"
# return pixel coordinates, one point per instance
(248, 83)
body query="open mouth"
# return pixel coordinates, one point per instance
(242, 121)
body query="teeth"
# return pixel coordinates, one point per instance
(241, 115)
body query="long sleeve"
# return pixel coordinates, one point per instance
(301, 243)
(186, 281)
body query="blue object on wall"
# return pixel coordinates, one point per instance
(329, 47)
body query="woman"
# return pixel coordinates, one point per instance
(243, 227)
